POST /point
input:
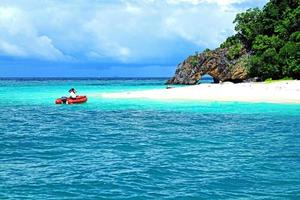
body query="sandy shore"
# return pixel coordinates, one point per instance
(277, 92)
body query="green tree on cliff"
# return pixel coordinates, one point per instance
(272, 36)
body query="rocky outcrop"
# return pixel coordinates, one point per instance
(215, 63)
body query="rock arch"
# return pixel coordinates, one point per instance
(215, 63)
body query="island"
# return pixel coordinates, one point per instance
(266, 46)
(260, 63)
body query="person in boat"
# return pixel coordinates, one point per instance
(73, 92)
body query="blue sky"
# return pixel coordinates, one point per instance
(116, 38)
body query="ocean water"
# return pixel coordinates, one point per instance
(142, 149)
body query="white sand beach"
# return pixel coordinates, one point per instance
(276, 92)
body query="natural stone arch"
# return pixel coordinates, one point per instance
(215, 63)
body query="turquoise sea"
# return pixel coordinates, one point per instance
(142, 149)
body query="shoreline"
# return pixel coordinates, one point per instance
(261, 92)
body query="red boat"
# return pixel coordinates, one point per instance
(68, 100)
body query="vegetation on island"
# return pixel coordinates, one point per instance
(272, 38)
(266, 46)
(270, 80)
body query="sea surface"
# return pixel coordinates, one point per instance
(141, 148)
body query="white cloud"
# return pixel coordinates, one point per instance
(11, 49)
(18, 37)
(121, 30)
(199, 27)
(223, 4)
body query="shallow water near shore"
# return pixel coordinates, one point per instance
(142, 149)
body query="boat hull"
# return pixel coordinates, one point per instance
(78, 100)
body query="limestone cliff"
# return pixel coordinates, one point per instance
(216, 63)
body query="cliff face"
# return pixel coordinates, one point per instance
(215, 63)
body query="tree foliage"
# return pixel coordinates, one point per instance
(272, 36)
